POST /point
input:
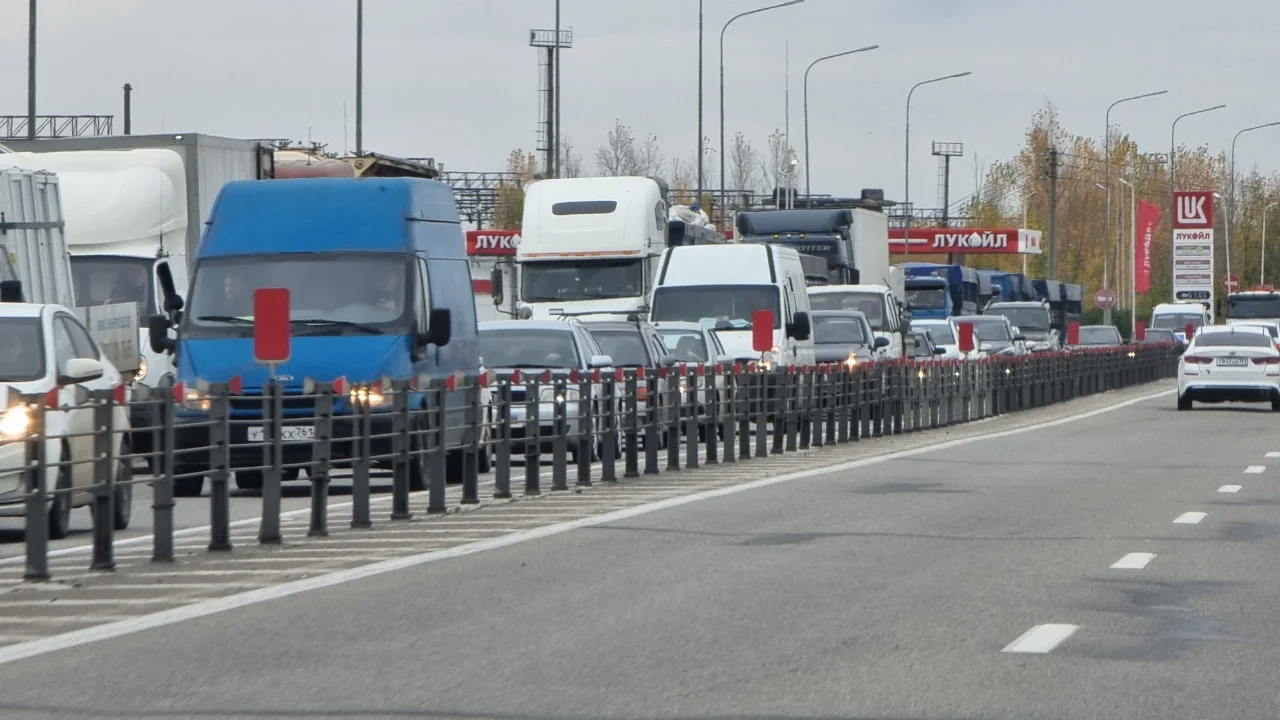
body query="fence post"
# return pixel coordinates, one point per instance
(743, 384)
(401, 423)
(653, 432)
(220, 466)
(471, 455)
(362, 441)
(104, 485)
(436, 461)
(37, 500)
(713, 398)
(610, 422)
(162, 487)
(692, 420)
(630, 388)
(765, 381)
(727, 396)
(502, 450)
(560, 440)
(533, 436)
(586, 431)
(321, 460)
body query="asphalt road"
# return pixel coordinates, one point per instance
(896, 590)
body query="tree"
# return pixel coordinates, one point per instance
(744, 165)
(619, 155)
(570, 161)
(681, 179)
(508, 209)
(776, 165)
(648, 158)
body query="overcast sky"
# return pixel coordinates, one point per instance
(456, 80)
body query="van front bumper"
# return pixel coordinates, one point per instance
(192, 438)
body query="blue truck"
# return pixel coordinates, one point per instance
(1050, 291)
(928, 297)
(379, 287)
(1000, 286)
(961, 285)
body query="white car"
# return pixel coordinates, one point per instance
(944, 335)
(45, 348)
(1229, 363)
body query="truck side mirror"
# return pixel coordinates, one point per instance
(172, 302)
(11, 291)
(495, 285)
(882, 342)
(439, 330)
(800, 327)
(158, 334)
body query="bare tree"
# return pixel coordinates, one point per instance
(649, 158)
(776, 165)
(570, 161)
(681, 178)
(744, 165)
(618, 156)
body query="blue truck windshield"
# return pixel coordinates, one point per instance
(331, 293)
(569, 281)
(927, 298)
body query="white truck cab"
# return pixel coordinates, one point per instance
(722, 286)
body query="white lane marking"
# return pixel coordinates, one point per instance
(62, 619)
(1190, 518)
(204, 608)
(1255, 469)
(1041, 638)
(1230, 488)
(1133, 561)
(1273, 453)
(53, 603)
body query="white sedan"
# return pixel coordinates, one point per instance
(1229, 363)
(943, 333)
(46, 349)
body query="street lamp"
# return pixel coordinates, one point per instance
(1262, 274)
(1231, 192)
(807, 191)
(1173, 145)
(31, 71)
(1133, 247)
(1106, 141)
(723, 151)
(359, 77)
(906, 181)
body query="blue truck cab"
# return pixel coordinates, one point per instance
(928, 297)
(961, 284)
(1050, 291)
(379, 285)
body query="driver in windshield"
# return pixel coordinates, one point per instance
(236, 298)
(386, 292)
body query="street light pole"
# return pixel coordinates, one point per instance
(1106, 142)
(1173, 146)
(1133, 244)
(31, 70)
(906, 175)
(808, 192)
(723, 149)
(1231, 192)
(359, 77)
(1262, 274)
(698, 200)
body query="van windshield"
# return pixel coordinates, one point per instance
(1035, 319)
(713, 305)
(568, 281)
(869, 303)
(1177, 321)
(107, 280)
(329, 294)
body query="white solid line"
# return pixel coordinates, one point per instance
(1040, 639)
(1133, 561)
(1255, 469)
(105, 620)
(63, 602)
(204, 608)
(1230, 488)
(1273, 453)
(1190, 518)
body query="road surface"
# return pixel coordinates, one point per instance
(1122, 565)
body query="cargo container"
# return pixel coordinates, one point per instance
(33, 247)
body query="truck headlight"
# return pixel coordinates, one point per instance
(548, 394)
(364, 395)
(15, 422)
(194, 399)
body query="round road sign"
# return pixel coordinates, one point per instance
(1231, 282)
(1105, 299)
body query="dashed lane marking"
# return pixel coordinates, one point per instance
(1273, 453)
(1041, 638)
(1133, 561)
(1190, 518)
(1230, 488)
(1255, 469)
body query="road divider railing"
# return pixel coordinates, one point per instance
(430, 432)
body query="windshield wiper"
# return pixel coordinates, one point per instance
(229, 319)
(320, 322)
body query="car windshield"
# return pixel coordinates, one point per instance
(870, 304)
(331, 293)
(22, 352)
(1177, 321)
(568, 281)
(1160, 335)
(107, 280)
(839, 331)
(715, 305)
(1233, 339)
(1099, 336)
(991, 331)
(1265, 305)
(941, 334)
(922, 346)
(927, 298)
(529, 348)
(626, 347)
(1024, 318)
(685, 345)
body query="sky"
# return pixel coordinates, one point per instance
(456, 80)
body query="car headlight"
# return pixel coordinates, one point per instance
(365, 395)
(851, 362)
(194, 399)
(15, 422)
(142, 368)
(549, 394)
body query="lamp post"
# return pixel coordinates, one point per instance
(723, 150)
(1231, 192)
(1133, 246)
(1025, 200)
(1106, 141)
(359, 77)
(700, 143)
(1173, 147)
(1262, 274)
(808, 192)
(906, 175)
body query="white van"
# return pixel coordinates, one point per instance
(1177, 316)
(722, 286)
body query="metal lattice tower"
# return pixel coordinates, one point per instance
(547, 130)
(14, 127)
(945, 151)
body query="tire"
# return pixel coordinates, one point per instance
(60, 503)
(417, 465)
(484, 461)
(188, 486)
(250, 479)
(1275, 405)
(1184, 403)
(122, 514)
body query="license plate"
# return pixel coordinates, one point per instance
(1233, 362)
(288, 433)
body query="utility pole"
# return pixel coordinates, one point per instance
(698, 201)
(31, 71)
(1053, 211)
(555, 135)
(359, 77)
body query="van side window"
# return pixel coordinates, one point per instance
(423, 291)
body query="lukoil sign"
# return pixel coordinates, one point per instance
(492, 242)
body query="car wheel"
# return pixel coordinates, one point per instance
(250, 479)
(1275, 406)
(1184, 403)
(417, 463)
(60, 502)
(123, 512)
(188, 486)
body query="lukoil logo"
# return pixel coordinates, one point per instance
(1191, 210)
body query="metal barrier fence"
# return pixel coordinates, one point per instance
(434, 431)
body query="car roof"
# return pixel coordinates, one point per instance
(21, 310)
(550, 325)
(1018, 304)
(613, 325)
(932, 321)
(1230, 328)
(838, 313)
(1095, 327)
